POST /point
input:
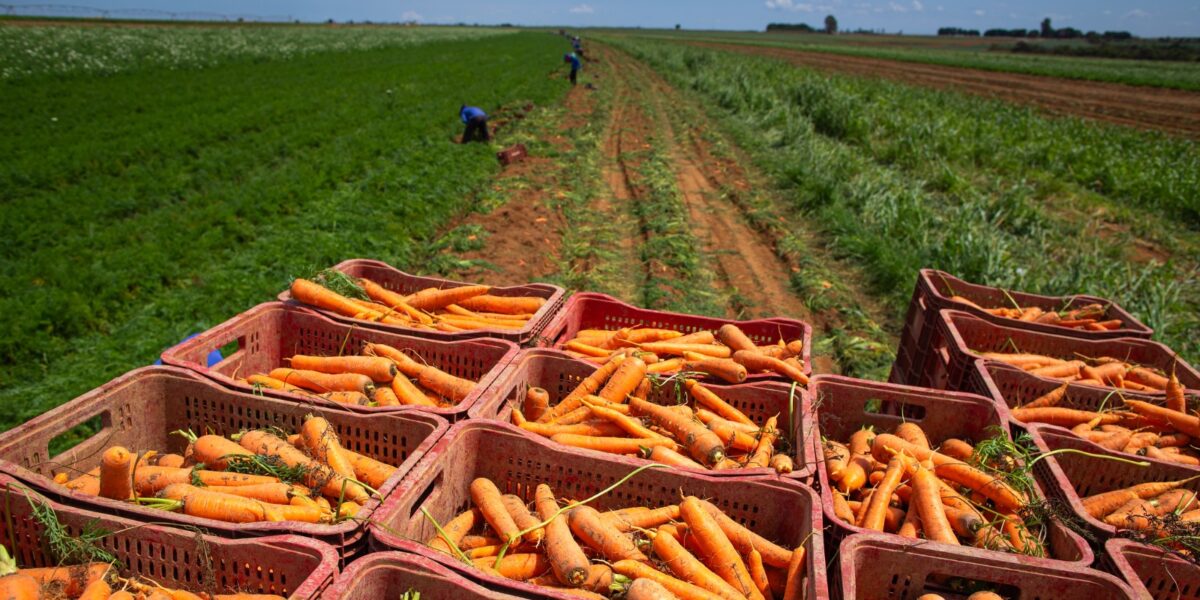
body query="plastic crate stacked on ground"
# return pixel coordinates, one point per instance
(845, 405)
(589, 310)
(559, 374)
(286, 565)
(391, 574)
(400, 282)
(1152, 572)
(965, 336)
(784, 511)
(140, 411)
(268, 334)
(883, 567)
(1072, 476)
(1011, 387)
(933, 293)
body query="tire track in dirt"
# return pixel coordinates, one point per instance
(1176, 112)
(749, 270)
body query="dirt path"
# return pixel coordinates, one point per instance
(1172, 111)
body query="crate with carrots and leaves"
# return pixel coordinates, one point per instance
(175, 447)
(935, 466)
(373, 293)
(517, 512)
(288, 352)
(622, 409)
(53, 550)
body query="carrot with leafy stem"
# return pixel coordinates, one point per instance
(588, 525)
(567, 559)
(317, 476)
(489, 500)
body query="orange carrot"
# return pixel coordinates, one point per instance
(317, 295)
(408, 393)
(434, 298)
(794, 589)
(732, 436)
(19, 586)
(1050, 398)
(667, 456)
(761, 456)
(274, 384)
(644, 519)
(688, 568)
(1063, 417)
(455, 530)
(509, 305)
(216, 452)
(718, 551)
(116, 473)
(149, 480)
(702, 444)
(488, 500)
(704, 396)
(624, 380)
(537, 402)
(684, 590)
(755, 361)
(996, 490)
(396, 301)
(648, 589)
(521, 516)
(882, 494)
(516, 566)
(612, 445)
(318, 476)
(926, 497)
(74, 579)
(384, 396)
(957, 449)
(678, 349)
(321, 440)
(325, 382)
(628, 425)
(758, 574)
(199, 502)
(602, 536)
(725, 369)
(96, 590)
(1175, 398)
(731, 335)
(567, 559)
(380, 370)
(1183, 422)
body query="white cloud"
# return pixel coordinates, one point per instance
(979, 12)
(896, 7)
(917, 6)
(1136, 13)
(582, 9)
(411, 15)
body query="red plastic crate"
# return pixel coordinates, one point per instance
(965, 336)
(886, 567)
(287, 565)
(1153, 572)
(845, 405)
(390, 574)
(406, 283)
(141, 409)
(269, 333)
(782, 510)
(1011, 387)
(933, 292)
(1071, 477)
(590, 310)
(559, 374)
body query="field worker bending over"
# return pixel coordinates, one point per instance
(476, 121)
(571, 58)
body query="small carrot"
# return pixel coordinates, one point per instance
(503, 304)
(677, 349)
(882, 494)
(731, 436)
(325, 382)
(704, 396)
(782, 464)
(645, 519)
(116, 473)
(957, 449)
(384, 396)
(1051, 398)
(380, 370)
(96, 590)
(1175, 398)
(567, 559)
(522, 517)
(19, 586)
(488, 500)
(666, 456)
(73, 579)
(761, 456)
(719, 552)
(755, 361)
(317, 295)
(731, 335)
(926, 497)
(516, 566)
(648, 589)
(628, 425)
(725, 369)
(1063, 417)
(913, 434)
(321, 440)
(537, 402)
(601, 536)
(612, 445)
(684, 590)
(274, 384)
(758, 574)
(794, 589)
(396, 301)
(434, 298)
(590, 385)
(687, 567)
(1183, 422)
(455, 530)
(702, 444)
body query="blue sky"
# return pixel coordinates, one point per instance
(1147, 18)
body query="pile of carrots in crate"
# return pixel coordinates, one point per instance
(608, 411)
(383, 376)
(686, 550)
(308, 477)
(465, 308)
(92, 581)
(1153, 508)
(1085, 317)
(727, 354)
(1104, 371)
(1147, 429)
(898, 483)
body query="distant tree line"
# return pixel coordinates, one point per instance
(958, 31)
(1046, 31)
(831, 26)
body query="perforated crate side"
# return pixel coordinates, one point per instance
(1153, 572)
(392, 574)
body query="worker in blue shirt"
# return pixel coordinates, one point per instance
(476, 122)
(571, 58)
(577, 45)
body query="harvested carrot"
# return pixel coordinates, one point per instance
(666, 456)
(331, 484)
(455, 530)
(601, 536)
(688, 568)
(756, 361)
(537, 402)
(715, 403)
(761, 456)
(702, 444)
(724, 369)
(567, 559)
(516, 566)
(638, 570)
(380, 370)
(926, 497)
(488, 499)
(325, 382)
(321, 440)
(648, 589)
(116, 473)
(731, 335)
(719, 553)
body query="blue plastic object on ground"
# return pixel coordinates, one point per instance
(214, 357)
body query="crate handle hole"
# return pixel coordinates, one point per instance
(425, 494)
